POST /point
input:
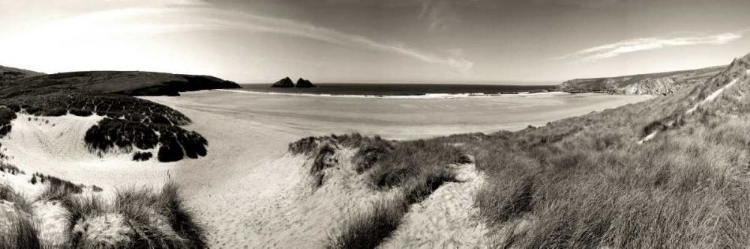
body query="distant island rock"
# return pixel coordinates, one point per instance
(285, 82)
(303, 83)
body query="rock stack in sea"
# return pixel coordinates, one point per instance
(285, 82)
(302, 83)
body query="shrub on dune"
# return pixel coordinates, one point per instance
(20, 233)
(138, 218)
(414, 169)
(370, 228)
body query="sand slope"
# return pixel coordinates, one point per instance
(54, 146)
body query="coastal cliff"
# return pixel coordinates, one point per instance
(646, 84)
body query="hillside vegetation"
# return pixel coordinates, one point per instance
(586, 182)
(119, 82)
(652, 84)
(9, 74)
(128, 124)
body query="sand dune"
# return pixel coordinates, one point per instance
(249, 191)
(243, 189)
(54, 146)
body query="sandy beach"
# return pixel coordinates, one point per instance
(247, 189)
(247, 176)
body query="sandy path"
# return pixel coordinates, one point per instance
(711, 97)
(446, 219)
(695, 107)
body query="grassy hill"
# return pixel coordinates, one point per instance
(653, 84)
(127, 122)
(119, 82)
(584, 182)
(9, 74)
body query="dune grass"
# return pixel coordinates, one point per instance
(414, 169)
(369, 229)
(157, 219)
(150, 219)
(10, 169)
(18, 200)
(595, 187)
(675, 193)
(584, 182)
(21, 233)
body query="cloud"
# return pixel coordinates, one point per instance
(439, 14)
(188, 19)
(592, 3)
(583, 3)
(644, 44)
(294, 28)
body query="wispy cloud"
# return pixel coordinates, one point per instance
(188, 19)
(438, 14)
(652, 43)
(294, 28)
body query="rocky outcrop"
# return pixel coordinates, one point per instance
(646, 84)
(303, 83)
(285, 82)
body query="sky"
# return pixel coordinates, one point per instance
(395, 41)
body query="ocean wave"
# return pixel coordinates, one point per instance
(423, 96)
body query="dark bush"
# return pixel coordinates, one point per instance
(323, 159)
(193, 143)
(53, 112)
(10, 169)
(370, 154)
(57, 184)
(142, 156)
(111, 133)
(176, 143)
(80, 113)
(14, 108)
(304, 146)
(21, 234)
(6, 116)
(110, 105)
(171, 150)
(370, 229)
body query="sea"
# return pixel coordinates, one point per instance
(405, 90)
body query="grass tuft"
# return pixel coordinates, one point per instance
(369, 229)
(21, 233)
